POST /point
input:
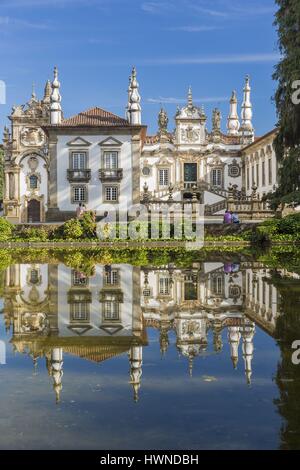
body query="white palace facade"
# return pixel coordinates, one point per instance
(53, 163)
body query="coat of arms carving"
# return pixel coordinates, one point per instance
(190, 328)
(32, 136)
(190, 134)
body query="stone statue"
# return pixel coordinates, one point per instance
(163, 121)
(216, 120)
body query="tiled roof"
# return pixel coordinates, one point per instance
(96, 353)
(95, 117)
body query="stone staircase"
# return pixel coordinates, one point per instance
(210, 209)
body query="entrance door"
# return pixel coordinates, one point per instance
(34, 211)
(190, 174)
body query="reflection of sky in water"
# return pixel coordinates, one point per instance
(174, 410)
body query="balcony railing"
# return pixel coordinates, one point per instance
(79, 175)
(111, 175)
(189, 184)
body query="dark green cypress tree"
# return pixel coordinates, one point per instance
(287, 72)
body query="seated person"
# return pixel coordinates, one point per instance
(235, 218)
(227, 217)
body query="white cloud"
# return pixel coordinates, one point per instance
(222, 59)
(8, 21)
(157, 7)
(256, 9)
(50, 3)
(210, 12)
(192, 29)
(216, 9)
(172, 100)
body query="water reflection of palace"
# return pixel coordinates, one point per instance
(54, 310)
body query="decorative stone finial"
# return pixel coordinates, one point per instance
(6, 135)
(47, 92)
(248, 348)
(56, 113)
(33, 94)
(190, 98)
(134, 106)
(247, 127)
(171, 189)
(233, 123)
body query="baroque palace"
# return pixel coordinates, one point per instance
(54, 163)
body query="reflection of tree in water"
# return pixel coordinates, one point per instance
(288, 374)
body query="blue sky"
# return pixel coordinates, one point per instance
(208, 44)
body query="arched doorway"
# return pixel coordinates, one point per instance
(34, 211)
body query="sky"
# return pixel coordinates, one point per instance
(208, 44)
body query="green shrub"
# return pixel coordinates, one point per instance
(88, 225)
(33, 233)
(269, 227)
(260, 235)
(79, 261)
(72, 229)
(290, 224)
(6, 229)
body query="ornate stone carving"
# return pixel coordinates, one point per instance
(33, 163)
(33, 322)
(32, 136)
(190, 328)
(190, 134)
(234, 170)
(17, 111)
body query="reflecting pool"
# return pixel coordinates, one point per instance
(192, 355)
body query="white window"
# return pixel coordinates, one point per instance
(78, 160)
(147, 292)
(164, 177)
(263, 169)
(79, 279)
(111, 277)
(164, 285)
(79, 194)
(33, 182)
(217, 285)
(270, 171)
(217, 177)
(111, 193)
(111, 310)
(79, 311)
(110, 160)
(248, 178)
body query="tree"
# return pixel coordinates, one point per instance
(287, 73)
(287, 377)
(1, 173)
